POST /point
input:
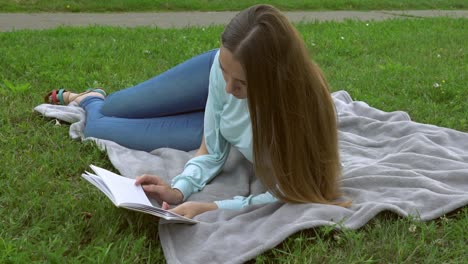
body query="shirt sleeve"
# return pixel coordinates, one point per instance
(240, 202)
(200, 170)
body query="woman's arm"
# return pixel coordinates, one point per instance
(240, 202)
(210, 157)
(202, 150)
(191, 209)
(214, 150)
(162, 192)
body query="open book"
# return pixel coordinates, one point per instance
(124, 193)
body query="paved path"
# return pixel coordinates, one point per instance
(16, 21)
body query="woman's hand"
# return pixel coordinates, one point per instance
(191, 209)
(155, 187)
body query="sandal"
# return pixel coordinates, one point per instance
(55, 97)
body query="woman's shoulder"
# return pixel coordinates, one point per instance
(215, 68)
(217, 83)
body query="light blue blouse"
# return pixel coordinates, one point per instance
(227, 122)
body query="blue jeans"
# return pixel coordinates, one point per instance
(164, 111)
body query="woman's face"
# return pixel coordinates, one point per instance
(233, 74)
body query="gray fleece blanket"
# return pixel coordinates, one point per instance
(389, 164)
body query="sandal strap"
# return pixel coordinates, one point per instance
(54, 97)
(60, 96)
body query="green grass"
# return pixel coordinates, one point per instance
(49, 214)
(218, 5)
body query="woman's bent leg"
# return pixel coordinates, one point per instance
(183, 131)
(181, 89)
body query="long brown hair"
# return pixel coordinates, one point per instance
(295, 137)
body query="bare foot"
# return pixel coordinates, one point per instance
(69, 97)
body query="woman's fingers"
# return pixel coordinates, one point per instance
(165, 206)
(149, 179)
(187, 209)
(192, 209)
(158, 189)
(180, 210)
(154, 189)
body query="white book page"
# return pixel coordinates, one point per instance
(123, 189)
(99, 183)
